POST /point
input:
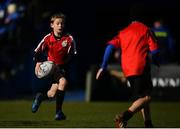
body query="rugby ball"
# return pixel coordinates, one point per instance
(45, 69)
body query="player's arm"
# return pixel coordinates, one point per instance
(38, 54)
(154, 50)
(40, 49)
(155, 57)
(37, 60)
(72, 51)
(108, 51)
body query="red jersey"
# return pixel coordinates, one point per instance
(135, 41)
(57, 49)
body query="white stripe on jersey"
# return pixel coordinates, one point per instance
(42, 41)
(69, 49)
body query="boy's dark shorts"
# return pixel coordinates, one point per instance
(141, 85)
(60, 71)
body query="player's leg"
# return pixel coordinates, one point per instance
(60, 98)
(40, 96)
(141, 91)
(60, 79)
(146, 113)
(52, 91)
(139, 104)
(122, 119)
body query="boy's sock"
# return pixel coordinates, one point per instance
(127, 115)
(59, 100)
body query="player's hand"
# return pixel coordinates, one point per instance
(99, 73)
(37, 66)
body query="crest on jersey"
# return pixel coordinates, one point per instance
(64, 43)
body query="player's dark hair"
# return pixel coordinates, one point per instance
(57, 15)
(137, 12)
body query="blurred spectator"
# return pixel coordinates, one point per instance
(11, 47)
(3, 5)
(165, 40)
(9, 22)
(2, 13)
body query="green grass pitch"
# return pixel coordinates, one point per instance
(82, 115)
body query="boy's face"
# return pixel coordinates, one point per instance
(58, 25)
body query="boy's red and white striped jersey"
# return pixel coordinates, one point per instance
(57, 49)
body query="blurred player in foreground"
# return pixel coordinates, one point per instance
(59, 47)
(136, 41)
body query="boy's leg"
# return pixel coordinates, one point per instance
(121, 119)
(139, 104)
(147, 116)
(141, 88)
(52, 91)
(41, 93)
(37, 101)
(60, 99)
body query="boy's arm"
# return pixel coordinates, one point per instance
(155, 57)
(39, 51)
(107, 54)
(154, 48)
(72, 51)
(38, 55)
(74, 46)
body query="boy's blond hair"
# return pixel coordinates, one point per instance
(57, 15)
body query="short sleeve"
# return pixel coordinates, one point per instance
(115, 41)
(153, 45)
